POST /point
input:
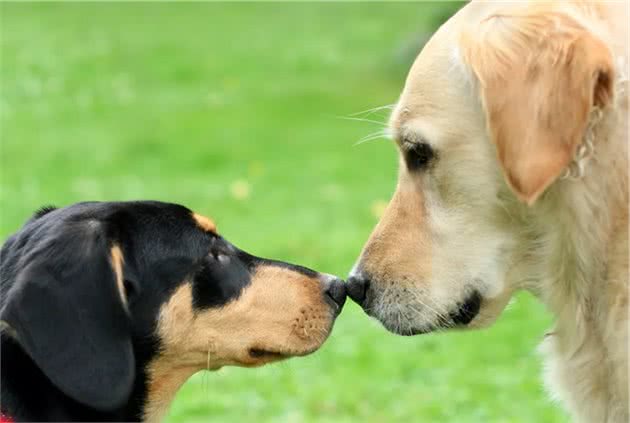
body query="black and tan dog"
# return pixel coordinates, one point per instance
(107, 308)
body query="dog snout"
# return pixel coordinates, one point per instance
(335, 291)
(357, 288)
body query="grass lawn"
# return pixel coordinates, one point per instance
(234, 110)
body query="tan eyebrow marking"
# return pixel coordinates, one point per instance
(205, 223)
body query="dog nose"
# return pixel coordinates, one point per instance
(357, 288)
(336, 291)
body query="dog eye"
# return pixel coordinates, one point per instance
(418, 156)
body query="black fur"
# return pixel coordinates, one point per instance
(215, 285)
(43, 211)
(70, 349)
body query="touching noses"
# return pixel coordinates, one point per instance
(357, 288)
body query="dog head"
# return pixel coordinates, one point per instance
(491, 115)
(122, 302)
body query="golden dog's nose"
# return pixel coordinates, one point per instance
(357, 288)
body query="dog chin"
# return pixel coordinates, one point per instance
(462, 316)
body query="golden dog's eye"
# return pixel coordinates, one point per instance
(418, 155)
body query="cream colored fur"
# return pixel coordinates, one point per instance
(504, 92)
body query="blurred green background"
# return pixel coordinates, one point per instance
(236, 110)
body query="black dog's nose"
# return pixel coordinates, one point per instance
(357, 288)
(336, 291)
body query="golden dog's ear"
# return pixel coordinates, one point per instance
(540, 74)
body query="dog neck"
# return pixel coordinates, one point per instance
(578, 259)
(164, 380)
(590, 226)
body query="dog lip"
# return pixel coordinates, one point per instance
(260, 353)
(270, 354)
(467, 311)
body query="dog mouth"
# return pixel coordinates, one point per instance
(259, 353)
(268, 355)
(460, 317)
(467, 310)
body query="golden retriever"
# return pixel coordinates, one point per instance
(512, 129)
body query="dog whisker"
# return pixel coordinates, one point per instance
(377, 122)
(374, 110)
(381, 134)
(438, 316)
(434, 306)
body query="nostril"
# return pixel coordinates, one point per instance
(336, 291)
(357, 289)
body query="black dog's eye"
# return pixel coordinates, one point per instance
(418, 156)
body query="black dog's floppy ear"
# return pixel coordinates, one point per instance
(68, 313)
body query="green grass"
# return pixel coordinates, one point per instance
(189, 103)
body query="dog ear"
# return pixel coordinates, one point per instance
(540, 75)
(67, 313)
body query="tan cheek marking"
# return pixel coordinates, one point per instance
(179, 357)
(117, 263)
(176, 319)
(205, 223)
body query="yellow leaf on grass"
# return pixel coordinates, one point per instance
(240, 189)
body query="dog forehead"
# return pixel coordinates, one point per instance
(433, 88)
(438, 104)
